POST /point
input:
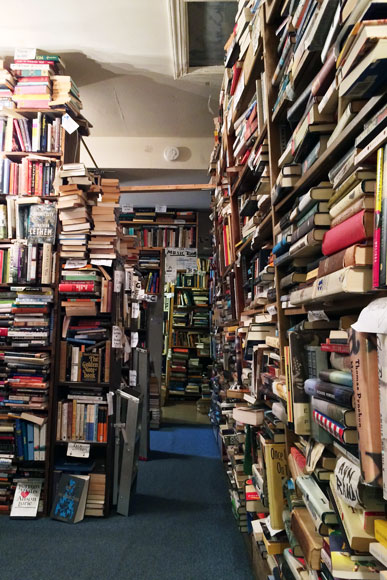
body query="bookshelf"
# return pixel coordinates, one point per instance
(29, 296)
(293, 142)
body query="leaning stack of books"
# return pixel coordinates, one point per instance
(65, 92)
(7, 86)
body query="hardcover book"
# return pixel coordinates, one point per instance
(70, 499)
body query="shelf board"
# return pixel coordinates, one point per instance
(156, 223)
(295, 311)
(26, 348)
(184, 328)
(333, 152)
(26, 153)
(80, 385)
(157, 188)
(79, 441)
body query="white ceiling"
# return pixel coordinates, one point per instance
(120, 54)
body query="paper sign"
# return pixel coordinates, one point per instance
(101, 263)
(317, 315)
(135, 310)
(126, 208)
(75, 264)
(347, 478)
(134, 339)
(68, 124)
(132, 378)
(272, 310)
(150, 297)
(78, 450)
(25, 53)
(109, 398)
(116, 337)
(118, 280)
(160, 208)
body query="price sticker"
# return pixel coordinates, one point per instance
(317, 315)
(126, 208)
(132, 378)
(135, 310)
(78, 449)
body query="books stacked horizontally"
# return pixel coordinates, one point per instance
(27, 380)
(7, 86)
(65, 93)
(77, 194)
(85, 291)
(154, 403)
(178, 370)
(30, 308)
(104, 234)
(85, 347)
(34, 85)
(95, 501)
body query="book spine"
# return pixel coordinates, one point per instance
(338, 377)
(364, 366)
(379, 244)
(276, 470)
(332, 427)
(333, 411)
(330, 392)
(346, 234)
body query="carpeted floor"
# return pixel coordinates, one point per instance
(181, 527)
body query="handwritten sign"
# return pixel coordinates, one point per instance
(132, 378)
(25, 53)
(78, 449)
(347, 478)
(317, 315)
(161, 209)
(118, 280)
(116, 337)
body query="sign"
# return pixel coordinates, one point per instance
(75, 264)
(25, 53)
(317, 315)
(135, 310)
(347, 478)
(109, 398)
(150, 297)
(116, 337)
(179, 259)
(133, 339)
(161, 209)
(78, 449)
(126, 208)
(118, 280)
(68, 124)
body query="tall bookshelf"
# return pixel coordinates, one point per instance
(28, 275)
(285, 134)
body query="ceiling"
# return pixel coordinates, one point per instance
(120, 55)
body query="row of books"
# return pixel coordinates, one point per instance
(152, 283)
(30, 176)
(24, 384)
(41, 134)
(190, 297)
(163, 236)
(146, 214)
(80, 420)
(26, 263)
(197, 280)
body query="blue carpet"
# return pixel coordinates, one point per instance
(181, 526)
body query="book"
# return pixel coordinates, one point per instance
(366, 187)
(248, 416)
(70, 499)
(330, 392)
(356, 255)
(367, 77)
(364, 364)
(309, 540)
(316, 502)
(26, 499)
(348, 280)
(357, 228)
(341, 432)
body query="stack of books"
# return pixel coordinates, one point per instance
(34, 85)
(65, 93)
(77, 194)
(84, 291)
(7, 86)
(102, 244)
(95, 501)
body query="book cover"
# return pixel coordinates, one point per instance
(356, 255)
(70, 499)
(356, 229)
(309, 540)
(26, 499)
(42, 224)
(364, 366)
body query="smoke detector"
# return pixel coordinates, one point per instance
(171, 153)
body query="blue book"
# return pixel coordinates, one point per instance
(24, 439)
(19, 439)
(281, 247)
(80, 341)
(95, 424)
(30, 441)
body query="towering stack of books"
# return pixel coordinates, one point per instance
(65, 93)
(104, 234)
(7, 87)
(77, 194)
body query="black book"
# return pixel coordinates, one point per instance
(70, 499)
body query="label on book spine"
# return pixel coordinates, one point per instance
(347, 478)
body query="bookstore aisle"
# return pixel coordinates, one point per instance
(181, 511)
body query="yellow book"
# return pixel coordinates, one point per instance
(274, 548)
(381, 532)
(276, 470)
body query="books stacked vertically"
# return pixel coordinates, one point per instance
(102, 244)
(34, 175)
(42, 133)
(82, 418)
(33, 88)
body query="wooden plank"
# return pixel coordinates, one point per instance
(160, 188)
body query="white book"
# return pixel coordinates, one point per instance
(351, 279)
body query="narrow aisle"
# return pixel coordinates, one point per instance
(181, 526)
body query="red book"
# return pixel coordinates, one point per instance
(33, 80)
(76, 287)
(340, 348)
(3, 331)
(19, 135)
(355, 229)
(20, 61)
(236, 73)
(299, 457)
(377, 219)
